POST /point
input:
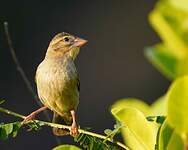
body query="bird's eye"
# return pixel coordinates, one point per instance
(66, 39)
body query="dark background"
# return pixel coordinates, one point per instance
(111, 65)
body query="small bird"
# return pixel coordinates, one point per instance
(58, 83)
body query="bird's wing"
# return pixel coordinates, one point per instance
(36, 74)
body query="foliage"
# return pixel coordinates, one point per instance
(9, 130)
(66, 147)
(177, 104)
(169, 139)
(134, 122)
(93, 143)
(170, 20)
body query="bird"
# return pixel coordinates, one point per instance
(58, 83)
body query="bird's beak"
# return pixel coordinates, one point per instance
(79, 42)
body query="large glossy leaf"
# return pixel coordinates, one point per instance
(162, 59)
(132, 102)
(177, 109)
(138, 133)
(66, 147)
(169, 139)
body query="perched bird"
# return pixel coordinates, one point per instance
(58, 83)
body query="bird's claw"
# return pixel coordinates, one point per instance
(29, 117)
(74, 130)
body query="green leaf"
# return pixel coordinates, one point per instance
(180, 4)
(16, 127)
(164, 61)
(177, 110)
(159, 107)
(9, 129)
(138, 133)
(182, 67)
(34, 125)
(131, 102)
(169, 139)
(170, 20)
(163, 25)
(66, 147)
(92, 143)
(3, 134)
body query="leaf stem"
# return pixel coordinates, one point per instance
(65, 127)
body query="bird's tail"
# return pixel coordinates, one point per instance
(59, 120)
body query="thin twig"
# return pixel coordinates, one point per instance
(19, 68)
(66, 127)
(22, 73)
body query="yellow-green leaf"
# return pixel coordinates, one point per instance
(138, 133)
(180, 4)
(162, 59)
(177, 109)
(132, 102)
(159, 107)
(169, 139)
(66, 147)
(174, 42)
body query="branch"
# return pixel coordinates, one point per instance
(20, 70)
(22, 73)
(66, 127)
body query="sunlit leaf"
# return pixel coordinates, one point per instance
(181, 4)
(169, 139)
(177, 109)
(182, 67)
(66, 147)
(175, 44)
(132, 102)
(159, 107)
(138, 133)
(164, 61)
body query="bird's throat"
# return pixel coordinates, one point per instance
(74, 52)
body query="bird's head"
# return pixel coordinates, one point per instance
(65, 44)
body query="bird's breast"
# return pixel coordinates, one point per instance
(57, 84)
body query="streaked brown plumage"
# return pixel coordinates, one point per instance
(58, 82)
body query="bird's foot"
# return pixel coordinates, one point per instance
(30, 117)
(33, 114)
(74, 129)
